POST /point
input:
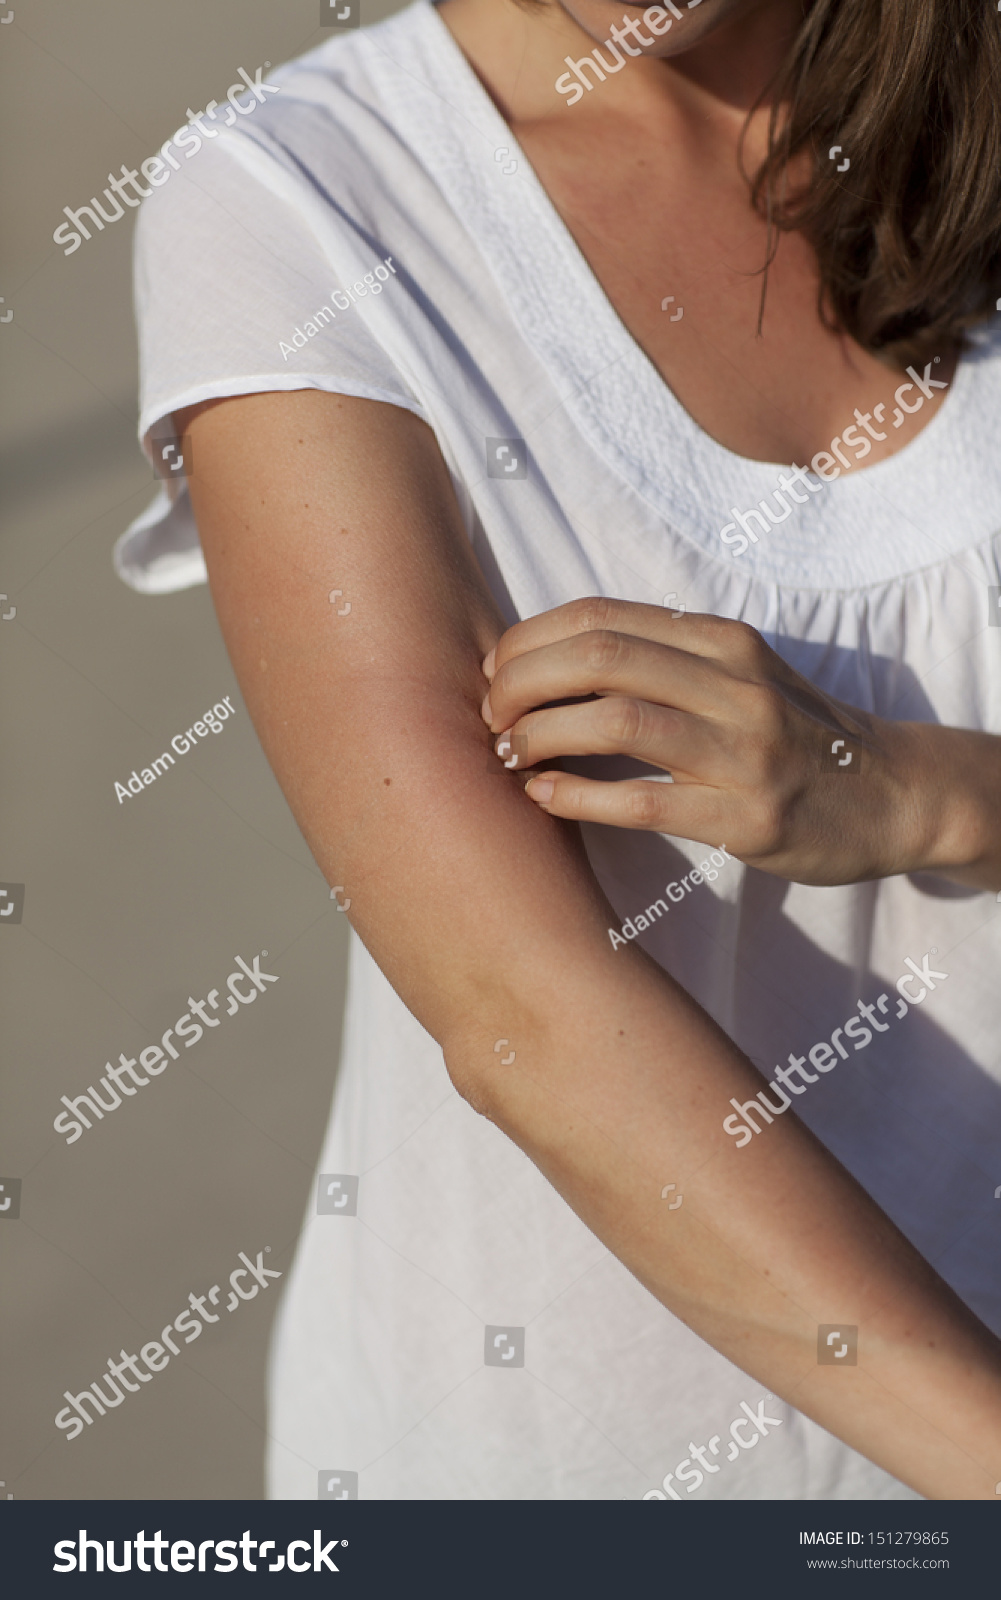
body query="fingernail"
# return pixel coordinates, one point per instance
(485, 711)
(540, 789)
(488, 663)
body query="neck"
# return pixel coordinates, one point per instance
(720, 60)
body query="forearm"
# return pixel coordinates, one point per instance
(620, 1091)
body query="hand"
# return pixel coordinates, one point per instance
(749, 743)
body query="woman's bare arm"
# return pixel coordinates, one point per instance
(484, 915)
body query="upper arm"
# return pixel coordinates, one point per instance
(469, 898)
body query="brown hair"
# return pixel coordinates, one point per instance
(909, 237)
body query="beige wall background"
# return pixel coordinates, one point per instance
(131, 908)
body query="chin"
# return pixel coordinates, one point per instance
(675, 27)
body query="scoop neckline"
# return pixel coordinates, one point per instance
(609, 391)
(657, 386)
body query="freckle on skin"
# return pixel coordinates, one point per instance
(387, 781)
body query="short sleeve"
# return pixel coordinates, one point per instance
(236, 294)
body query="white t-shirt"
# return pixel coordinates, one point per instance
(398, 1357)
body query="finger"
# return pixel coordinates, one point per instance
(684, 810)
(704, 635)
(659, 735)
(604, 664)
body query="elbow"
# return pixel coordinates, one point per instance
(473, 1082)
(484, 1065)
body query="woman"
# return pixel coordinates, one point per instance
(552, 382)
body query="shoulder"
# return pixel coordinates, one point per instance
(327, 129)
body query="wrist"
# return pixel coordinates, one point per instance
(943, 779)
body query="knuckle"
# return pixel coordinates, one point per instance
(749, 637)
(593, 614)
(620, 722)
(742, 643)
(745, 636)
(643, 804)
(599, 652)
